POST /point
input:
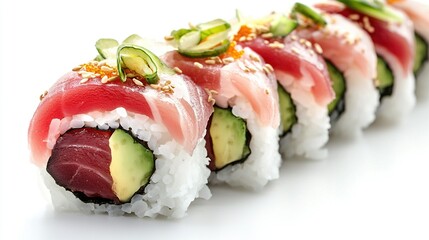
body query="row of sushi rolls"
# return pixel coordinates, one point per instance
(146, 127)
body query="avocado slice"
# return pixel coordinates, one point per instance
(385, 79)
(132, 164)
(339, 85)
(287, 110)
(230, 138)
(421, 53)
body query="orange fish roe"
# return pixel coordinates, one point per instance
(232, 52)
(99, 68)
(243, 33)
(394, 1)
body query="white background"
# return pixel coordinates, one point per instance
(374, 187)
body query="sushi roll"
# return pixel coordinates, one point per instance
(304, 84)
(351, 58)
(123, 134)
(393, 36)
(418, 13)
(242, 135)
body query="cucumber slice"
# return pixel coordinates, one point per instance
(230, 138)
(287, 110)
(375, 9)
(421, 53)
(338, 84)
(213, 27)
(281, 26)
(385, 78)
(308, 12)
(107, 47)
(204, 40)
(213, 45)
(138, 59)
(201, 53)
(189, 40)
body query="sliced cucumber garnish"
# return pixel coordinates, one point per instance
(212, 27)
(376, 9)
(107, 47)
(139, 60)
(205, 40)
(307, 12)
(281, 26)
(421, 53)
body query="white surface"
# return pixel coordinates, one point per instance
(375, 187)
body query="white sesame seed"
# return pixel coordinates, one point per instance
(105, 79)
(84, 80)
(269, 67)
(210, 61)
(318, 48)
(137, 82)
(105, 68)
(168, 38)
(198, 65)
(228, 60)
(354, 17)
(178, 70)
(267, 35)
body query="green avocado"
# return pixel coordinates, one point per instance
(132, 164)
(287, 110)
(421, 53)
(229, 137)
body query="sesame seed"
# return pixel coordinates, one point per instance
(137, 82)
(269, 67)
(266, 42)
(210, 61)
(87, 75)
(318, 48)
(242, 39)
(249, 38)
(112, 78)
(354, 17)
(198, 65)
(295, 50)
(155, 86)
(302, 41)
(276, 44)
(267, 35)
(131, 75)
(254, 57)
(294, 37)
(104, 79)
(84, 80)
(77, 68)
(267, 92)
(43, 95)
(177, 70)
(228, 60)
(168, 38)
(105, 68)
(308, 44)
(191, 25)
